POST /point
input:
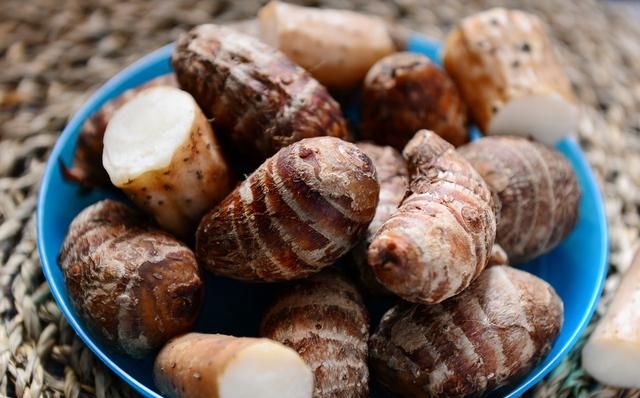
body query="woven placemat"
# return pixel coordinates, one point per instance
(53, 54)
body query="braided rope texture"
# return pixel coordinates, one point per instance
(54, 54)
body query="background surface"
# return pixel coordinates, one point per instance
(53, 54)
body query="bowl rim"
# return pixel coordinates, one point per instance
(73, 125)
(535, 376)
(117, 82)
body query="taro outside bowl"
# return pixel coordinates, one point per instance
(576, 268)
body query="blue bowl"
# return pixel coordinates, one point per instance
(576, 268)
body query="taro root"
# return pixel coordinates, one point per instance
(536, 189)
(87, 168)
(486, 337)
(336, 46)
(161, 151)
(440, 238)
(612, 352)
(505, 67)
(217, 366)
(406, 92)
(133, 284)
(297, 213)
(255, 95)
(323, 318)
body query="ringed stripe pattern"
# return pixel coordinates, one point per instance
(481, 339)
(537, 190)
(133, 283)
(297, 213)
(324, 319)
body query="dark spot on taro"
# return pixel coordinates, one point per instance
(494, 22)
(515, 63)
(482, 44)
(186, 159)
(167, 187)
(318, 326)
(166, 173)
(526, 47)
(472, 218)
(285, 80)
(494, 109)
(160, 202)
(305, 153)
(198, 174)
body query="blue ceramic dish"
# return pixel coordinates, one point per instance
(576, 268)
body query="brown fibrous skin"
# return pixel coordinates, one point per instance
(393, 178)
(324, 319)
(194, 365)
(254, 94)
(498, 55)
(197, 178)
(297, 213)
(484, 338)
(537, 189)
(135, 285)
(405, 92)
(440, 238)
(87, 168)
(337, 47)
(189, 365)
